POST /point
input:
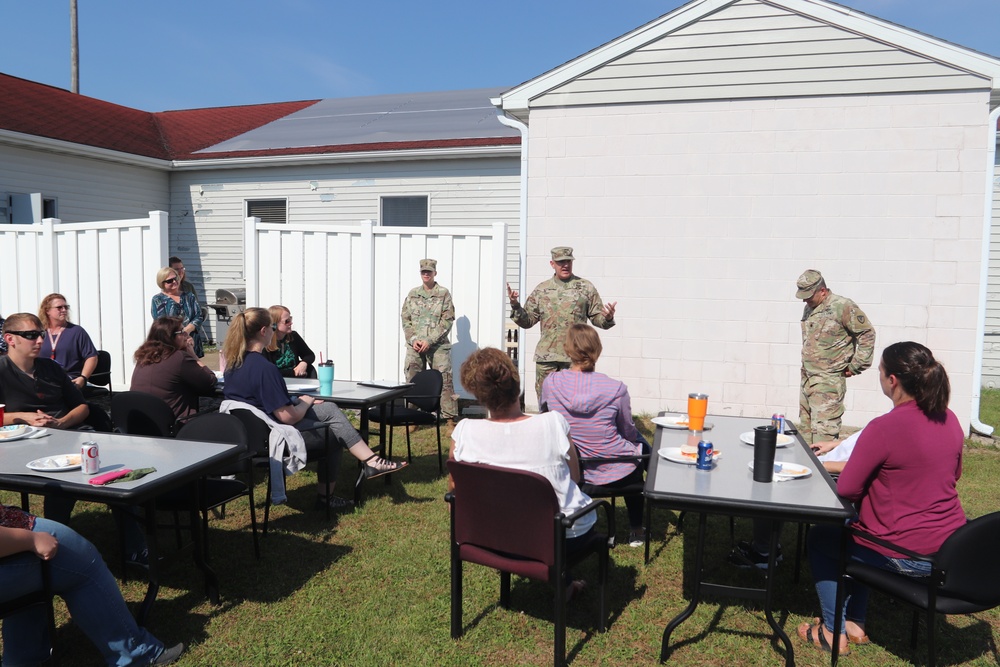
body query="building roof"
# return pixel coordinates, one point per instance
(311, 127)
(984, 70)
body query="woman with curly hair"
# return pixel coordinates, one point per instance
(166, 366)
(509, 438)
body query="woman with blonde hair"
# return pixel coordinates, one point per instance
(253, 382)
(65, 343)
(287, 350)
(599, 412)
(173, 302)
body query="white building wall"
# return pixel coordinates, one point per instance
(697, 218)
(991, 339)
(208, 207)
(85, 189)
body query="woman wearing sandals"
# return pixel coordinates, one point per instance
(902, 476)
(251, 379)
(511, 439)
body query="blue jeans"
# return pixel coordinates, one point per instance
(824, 561)
(80, 577)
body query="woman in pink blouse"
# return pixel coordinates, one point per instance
(902, 476)
(599, 411)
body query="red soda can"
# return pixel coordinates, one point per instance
(90, 459)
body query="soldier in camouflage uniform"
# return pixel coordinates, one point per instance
(557, 303)
(428, 315)
(838, 342)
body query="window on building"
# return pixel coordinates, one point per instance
(268, 210)
(404, 211)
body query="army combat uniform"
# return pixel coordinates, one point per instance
(836, 336)
(429, 315)
(557, 304)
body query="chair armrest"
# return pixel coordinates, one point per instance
(632, 458)
(449, 497)
(889, 545)
(569, 519)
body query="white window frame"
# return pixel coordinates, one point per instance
(247, 213)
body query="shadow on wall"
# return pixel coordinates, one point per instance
(460, 351)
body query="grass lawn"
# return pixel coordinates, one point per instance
(372, 588)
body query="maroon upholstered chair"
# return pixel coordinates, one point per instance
(510, 520)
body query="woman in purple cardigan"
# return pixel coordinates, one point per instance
(599, 412)
(902, 475)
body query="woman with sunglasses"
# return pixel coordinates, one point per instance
(252, 382)
(165, 366)
(66, 343)
(287, 350)
(172, 301)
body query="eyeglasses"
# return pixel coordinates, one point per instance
(62, 307)
(28, 335)
(287, 321)
(168, 281)
(181, 333)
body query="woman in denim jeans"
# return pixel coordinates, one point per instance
(80, 577)
(902, 476)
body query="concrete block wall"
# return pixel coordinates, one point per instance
(698, 217)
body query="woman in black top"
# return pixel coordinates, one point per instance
(287, 350)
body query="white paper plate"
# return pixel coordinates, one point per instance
(783, 440)
(679, 422)
(674, 454)
(784, 470)
(302, 386)
(17, 432)
(59, 463)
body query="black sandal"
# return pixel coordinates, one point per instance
(391, 466)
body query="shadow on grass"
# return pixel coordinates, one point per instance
(535, 599)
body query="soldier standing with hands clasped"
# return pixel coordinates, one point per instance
(557, 303)
(838, 342)
(428, 315)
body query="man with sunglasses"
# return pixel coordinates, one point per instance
(36, 390)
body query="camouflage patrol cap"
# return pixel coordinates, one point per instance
(428, 265)
(808, 283)
(562, 253)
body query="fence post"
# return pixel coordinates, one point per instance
(46, 251)
(364, 324)
(251, 262)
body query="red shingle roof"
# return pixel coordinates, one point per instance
(46, 111)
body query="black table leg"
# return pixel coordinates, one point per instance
(769, 593)
(198, 531)
(699, 556)
(153, 573)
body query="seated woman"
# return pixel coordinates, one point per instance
(599, 411)
(253, 381)
(287, 350)
(166, 366)
(834, 454)
(82, 580)
(508, 438)
(65, 343)
(902, 475)
(171, 301)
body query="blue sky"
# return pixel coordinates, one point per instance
(183, 54)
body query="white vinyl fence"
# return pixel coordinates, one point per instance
(106, 271)
(345, 287)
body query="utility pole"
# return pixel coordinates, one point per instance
(74, 49)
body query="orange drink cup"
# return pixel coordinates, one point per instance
(697, 409)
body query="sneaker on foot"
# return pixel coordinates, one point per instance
(336, 503)
(139, 559)
(636, 538)
(744, 555)
(168, 656)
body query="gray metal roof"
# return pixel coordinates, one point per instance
(458, 114)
